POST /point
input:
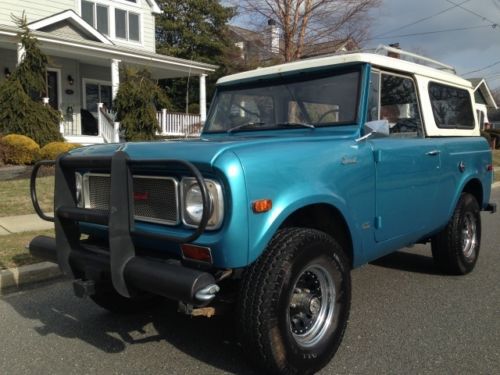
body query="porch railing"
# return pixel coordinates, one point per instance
(179, 124)
(109, 129)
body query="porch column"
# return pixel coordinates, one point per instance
(115, 77)
(20, 53)
(203, 99)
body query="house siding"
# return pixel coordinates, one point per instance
(35, 9)
(38, 9)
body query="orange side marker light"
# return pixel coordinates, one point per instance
(262, 205)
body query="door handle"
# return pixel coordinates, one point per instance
(433, 153)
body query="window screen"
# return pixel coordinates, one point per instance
(102, 19)
(88, 12)
(451, 106)
(121, 23)
(133, 26)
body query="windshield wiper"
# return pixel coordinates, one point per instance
(302, 124)
(243, 126)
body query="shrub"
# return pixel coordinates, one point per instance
(21, 111)
(52, 150)
(19, 149)
(136, 103)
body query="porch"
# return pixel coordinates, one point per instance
(108, 131)
(83, 80)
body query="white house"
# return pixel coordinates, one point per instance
(86, 41)
(484, 100)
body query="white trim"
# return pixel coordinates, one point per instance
(154, 7)
(95, 82)
(69, 15)
(127, 27)
(127, 55)
(59, 86)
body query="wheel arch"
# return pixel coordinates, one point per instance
(326, 218)
(475, 187)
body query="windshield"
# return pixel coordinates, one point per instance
(304, 100)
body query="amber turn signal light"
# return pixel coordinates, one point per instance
(262, 205)
(199, 253)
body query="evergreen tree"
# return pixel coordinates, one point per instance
(194, 30)
(136, 104)
(21, 110)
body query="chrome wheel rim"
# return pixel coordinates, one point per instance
(469, 235)
(311, 306)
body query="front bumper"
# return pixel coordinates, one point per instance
(128, 271)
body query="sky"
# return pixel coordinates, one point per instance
(474, 46)
(471, 42)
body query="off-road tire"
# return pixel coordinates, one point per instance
(265, 299)
(451, 251)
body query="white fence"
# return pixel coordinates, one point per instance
(179, 124)
(109, 130)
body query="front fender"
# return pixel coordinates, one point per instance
(264, 226)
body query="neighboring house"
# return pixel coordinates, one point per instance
(257, 47)
(86, 42)
(485, 102)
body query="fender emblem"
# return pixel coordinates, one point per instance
(345, 160)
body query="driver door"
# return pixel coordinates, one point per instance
(407, 164)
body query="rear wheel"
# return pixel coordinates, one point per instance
(295, 301)
(455, 249)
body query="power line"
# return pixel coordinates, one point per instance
(432, 32)
(484, 68)
(422, 19)
(474, 13)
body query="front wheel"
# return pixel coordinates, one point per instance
(295, 301)
(456, 248)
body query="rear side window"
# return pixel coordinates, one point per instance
(451, 106)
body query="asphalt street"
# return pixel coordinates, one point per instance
(406, 318)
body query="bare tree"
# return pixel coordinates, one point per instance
(304, 23)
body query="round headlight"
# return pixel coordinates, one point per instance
(194, 203)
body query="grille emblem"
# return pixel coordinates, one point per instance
(141, 196)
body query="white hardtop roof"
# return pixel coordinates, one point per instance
(379, 61)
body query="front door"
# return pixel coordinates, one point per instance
(53, 88)
(97, 92)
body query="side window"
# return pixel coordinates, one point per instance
(399, 106)
(451, 106)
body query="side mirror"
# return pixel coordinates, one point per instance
(375, 129)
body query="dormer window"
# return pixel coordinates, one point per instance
(127, 25)
(96, 15)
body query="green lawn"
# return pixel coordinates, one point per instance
(13, 252)
(16, 196)
(496, 163)
(496, 158)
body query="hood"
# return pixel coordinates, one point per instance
(206, 150)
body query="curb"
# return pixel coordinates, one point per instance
(13, 279)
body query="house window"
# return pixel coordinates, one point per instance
(96, 15)
(127, 25)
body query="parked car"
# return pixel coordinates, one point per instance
(303, 172)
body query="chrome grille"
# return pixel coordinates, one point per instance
(155, 198)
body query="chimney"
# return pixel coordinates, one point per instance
(394, 54)
(274, 36)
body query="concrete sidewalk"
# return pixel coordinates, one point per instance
(23, 223)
